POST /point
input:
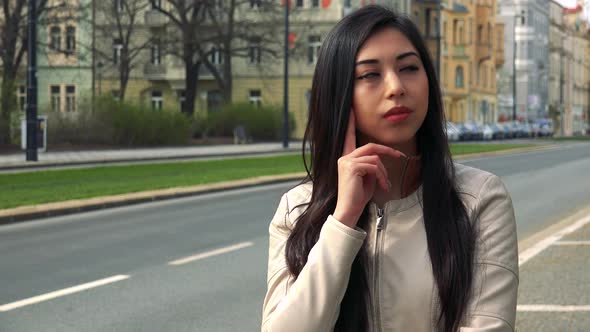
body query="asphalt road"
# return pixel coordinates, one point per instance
(218, 291)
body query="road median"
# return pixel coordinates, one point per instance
(75, 192)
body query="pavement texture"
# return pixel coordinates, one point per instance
(554, 290)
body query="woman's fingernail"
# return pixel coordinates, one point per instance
(388, 185)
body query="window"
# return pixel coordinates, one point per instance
(459, 77)
(313, 49)
(455, 37)
(21, 96)
(254, 51)
(315, 3)
(55, 93)
(215, 56)
(214, 100)
(255, 4)
(436, 30)
(255, 97)
(118, 5)
(181, 98)
(479, 34)
(461, 42)
(299, 3)
(490, 33)
(427, 21)
(156, 57)
(70, 98)
(70, 39)
(484, 78)
(445, 76)
(156, 4)
(117, 47)
(55, 35)
(470, 40)
(156, 100)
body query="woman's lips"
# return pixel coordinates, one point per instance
(397, 117)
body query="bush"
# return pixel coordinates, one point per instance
(261, 123)
(118, 123)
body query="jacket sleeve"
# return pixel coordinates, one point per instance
(493, 303)
(312, 302)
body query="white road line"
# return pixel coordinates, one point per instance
(552, 308)
(572, 243)
(211, 253)
(548, 241)
(62, 292)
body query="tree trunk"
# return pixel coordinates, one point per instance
(191, 80)
(227, 75)
(7, 106)
(123, 79)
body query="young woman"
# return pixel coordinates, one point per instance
(387, 233)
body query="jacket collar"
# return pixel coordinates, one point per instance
(411, 176)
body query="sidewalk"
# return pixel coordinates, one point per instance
(554, 290)
(48, 159)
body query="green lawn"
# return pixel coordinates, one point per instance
(60, 185)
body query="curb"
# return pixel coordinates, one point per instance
(24, 213)
(83, 205)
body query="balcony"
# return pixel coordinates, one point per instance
(154, 19)
(460, 52)
(155, 72)
(483, 52)
(499, 57)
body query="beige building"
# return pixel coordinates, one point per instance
(158, 78)
(471, 49)
(577, 64)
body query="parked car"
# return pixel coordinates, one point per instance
(498, 131)
(452, 131)
(464, 134)
(475, 131)
(488, 133)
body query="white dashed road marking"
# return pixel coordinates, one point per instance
(211, 253)
(62, 292)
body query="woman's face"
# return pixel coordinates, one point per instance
(390, 98)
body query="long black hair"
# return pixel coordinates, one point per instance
(451, 237)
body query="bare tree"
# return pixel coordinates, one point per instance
(205, 30)
(119, 22)
(13, 48)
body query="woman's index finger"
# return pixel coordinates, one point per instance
(350, 138)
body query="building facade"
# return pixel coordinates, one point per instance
(471, 49)
(64, 60)
(529, 21)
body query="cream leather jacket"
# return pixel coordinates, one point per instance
(400, 276)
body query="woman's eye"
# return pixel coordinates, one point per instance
(410, 68)
(369, 75)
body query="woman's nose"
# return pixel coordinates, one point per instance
(394, 86)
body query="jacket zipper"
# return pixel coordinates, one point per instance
(376, 308)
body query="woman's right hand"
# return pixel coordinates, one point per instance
(359, 170)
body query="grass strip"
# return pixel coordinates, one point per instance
(38, 187)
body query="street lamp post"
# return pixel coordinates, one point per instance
(286, 80)
(31, 151)
(521, 16)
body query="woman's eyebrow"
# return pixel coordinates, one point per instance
(399, 57)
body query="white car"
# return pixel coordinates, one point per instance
(452, 132)
(488, 133)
